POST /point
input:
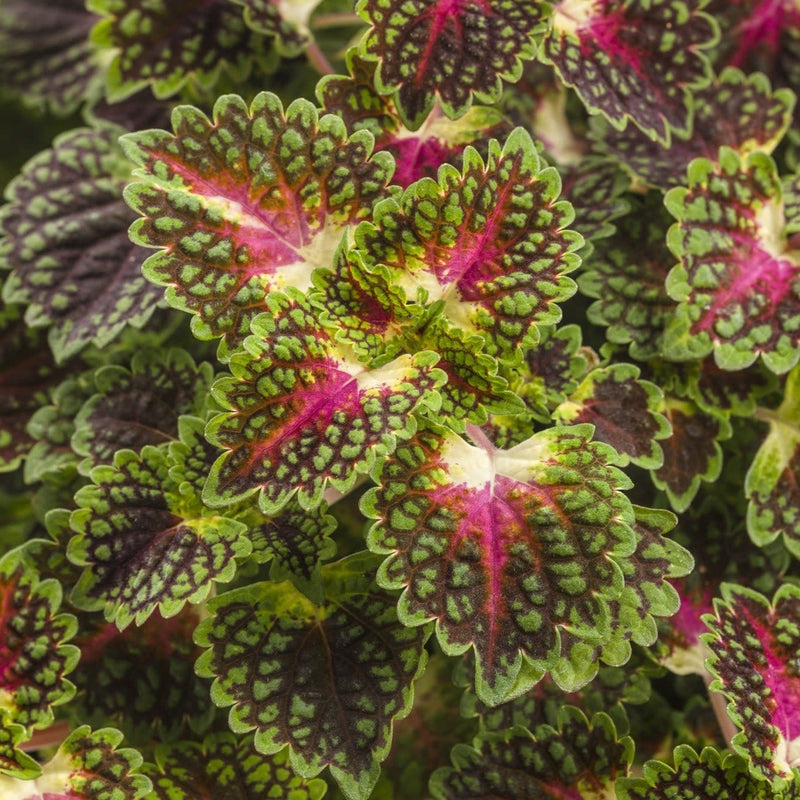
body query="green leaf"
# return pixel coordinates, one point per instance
(34, 654)
(735, 110)
(327, 680)
(634, 60)
(692, 454)
(226, 766)
(578, 759)
(708, 776)
(755, 644)
(626, 276)
(771, 482)
(27, 375)
(248, 203)
(305, 414)
(436, 50)
(167, 45)
(66, 242)
(145, 543)
(505, 548)
(488, 242)
(141, 404)
(623, 409)
(142, 679)
(89, 765)
(45, 54)
(736, 285)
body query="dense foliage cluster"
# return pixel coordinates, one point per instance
(400, 399)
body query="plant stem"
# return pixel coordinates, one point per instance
(335, 20)
(318, 59)
(49, 737)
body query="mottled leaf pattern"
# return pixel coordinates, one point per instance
(737, 285)
(141, 679)
(226, 766)
(623, 410)
(755, 645)
(144, 544)
(771, 484)
(488, 242)
(633, 60)
(692, 454)
(707, 776)
(250, 202)
(66, 242)
(139, 405)
(627, 276)
(579, 759)
(735, 110)
(303, 414)
(504, 547)
(89, 765)
(34, 655)
(430, 50)
(45, 54)
(166, 44)
(325, 679)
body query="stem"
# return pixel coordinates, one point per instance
(317, 59)
(480, 438)
(335, 20)
(49, 737)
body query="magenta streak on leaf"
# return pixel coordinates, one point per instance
(287, 224)
(417, 158)
(601, 35)
(687, 623)
(762, 25)
(440, 12)
(759, 274)
(785, 687)
(560, 791)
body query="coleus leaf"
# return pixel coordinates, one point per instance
(66, 240)
(14, 761)
(145, 541)
(27, 374)
(328, 680)
(165, 45)
(550, 370)
(445, 51)
(692, 453)
(249, 203)
(488, 241)
(304, 413)
(141, 404)
(735, 110)
(89, 765)
(736, 285)
(707, 776)
(34, 654)
(759, 35)
(771, 483)
(755, 644)
(226, 766)
(504, 548)
(579, 759)
(45, 53)
(627, 276)
(52, 457)
(623, 409)
(633, 60)
(418, 153)
(141, 679)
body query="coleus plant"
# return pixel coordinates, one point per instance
(400, 400)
